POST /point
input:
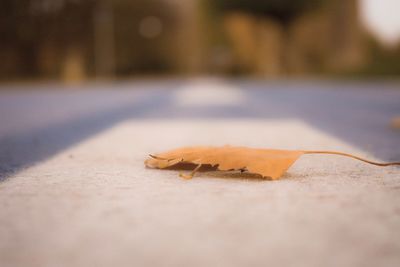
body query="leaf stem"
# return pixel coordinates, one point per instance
(190, 176)
(351, 156)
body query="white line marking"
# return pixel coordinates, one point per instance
(96, 202)
(208, 93)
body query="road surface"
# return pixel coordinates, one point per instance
(74, 191)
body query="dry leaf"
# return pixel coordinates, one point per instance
(395, 123)
(267, 162)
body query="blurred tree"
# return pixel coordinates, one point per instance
(38, 35)
(282, 10)
(384, 61)
(104, 39)
(17, 31)
(138, 50)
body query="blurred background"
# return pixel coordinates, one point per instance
(80, 40)
(89, 88)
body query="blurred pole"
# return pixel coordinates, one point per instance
(104, 40)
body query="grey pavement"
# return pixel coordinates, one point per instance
(74, 192)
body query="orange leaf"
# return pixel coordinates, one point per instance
(271, 163)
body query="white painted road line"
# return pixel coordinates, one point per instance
(203, 93)
(95, 204)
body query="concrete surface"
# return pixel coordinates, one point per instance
(75, 191)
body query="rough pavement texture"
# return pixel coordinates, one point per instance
(85, 199)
